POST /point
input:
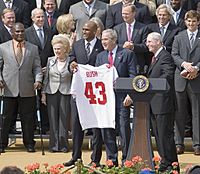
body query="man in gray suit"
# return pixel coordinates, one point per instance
(20, 75)
(85, 10)
(185, 52)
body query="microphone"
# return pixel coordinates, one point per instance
(145, 69)
(137, 69)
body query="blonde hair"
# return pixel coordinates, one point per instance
(6, 10)
(62, 39)
(63, 23)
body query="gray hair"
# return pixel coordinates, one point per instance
(166, 7)
(155, 36)
(112, 34)
(35, 10)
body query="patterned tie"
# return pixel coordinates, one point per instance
(19, 53)
(41, 37)
(110, 58)
(88, 49)
(8, 3)
(129, 32)
(191, 39)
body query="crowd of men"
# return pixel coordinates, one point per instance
(164, 45)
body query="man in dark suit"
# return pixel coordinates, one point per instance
(83, 54)
(8, 19)
(19, 59)
(32, 34)
(162, 106)
(132, 35)
(86, 10)
(125, 62)
(50, 15)
(114, 16)
(178, 14)
(185, 52)
(164, 27)
(21, 10)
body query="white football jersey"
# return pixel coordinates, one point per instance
(95, 97)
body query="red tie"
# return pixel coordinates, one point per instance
(50, 20)
(153, 60)
(110, 58)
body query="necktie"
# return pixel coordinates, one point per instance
(19, 53)
(162, 31)
(177, 17)
(153, 60)
(129, 32)
(50, 20)
(8, 3)
(191, 39)
(110, 58)
(88, 48)
(89, 9)
(41, 37)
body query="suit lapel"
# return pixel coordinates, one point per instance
(197, 39)
(35, 36)
(135, 31)
(2, 5)
(124, 32)
(156, 62)
(11, 49)
(82, 7)
(118, 57)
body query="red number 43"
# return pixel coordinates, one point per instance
(89, 93)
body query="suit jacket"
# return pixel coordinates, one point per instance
(31, 36)
(181, 52)
(164, 67)
(168, 39)
(114, 16)
(139, 36)
(19, 79)
(54, 20)
(181, 21)
(99, 10)
(125, 61)
(55, 80)
(65, 6)
(4, 34)
(79, 53)
(21, 10)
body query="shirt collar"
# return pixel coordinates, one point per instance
(166, 26)
(132, 24)
(158, 51)
(36, 27)
(195, 33)
(91, 5)
(92, 42)
(9, 29)
(16, 42)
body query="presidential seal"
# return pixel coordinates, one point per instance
(140, 83)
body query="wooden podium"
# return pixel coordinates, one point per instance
(140, 142)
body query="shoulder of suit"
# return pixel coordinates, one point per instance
(119, 26)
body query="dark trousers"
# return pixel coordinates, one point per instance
(25, 106)
(181, 115)
(78, 135)
(163, 128)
